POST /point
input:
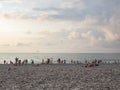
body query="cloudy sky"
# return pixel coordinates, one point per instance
(50, 26)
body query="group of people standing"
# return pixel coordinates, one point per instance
(19, 62)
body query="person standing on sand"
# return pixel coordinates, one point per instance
(32, 62)
(4, 61)
(19, 62)
(11, 62)
(43, 61)
(16, 61)
(64, 61)
(48, 61)
(59, 61)
(71, 61)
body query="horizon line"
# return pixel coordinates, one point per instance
(55, 52)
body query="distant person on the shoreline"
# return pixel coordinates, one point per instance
(11, 62)
(32, 61)
(24, 62)
(43, 61)
(19, 62)
(71, 61)
(64, 61)
(59, 61)
(4, 61)
(48, 61)
(16, 61)
(51, 61)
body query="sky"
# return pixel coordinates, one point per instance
(60, 26)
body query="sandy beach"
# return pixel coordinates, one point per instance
(60, 77)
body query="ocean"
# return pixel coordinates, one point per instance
(81, 57)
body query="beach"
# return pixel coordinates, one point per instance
(60, 77)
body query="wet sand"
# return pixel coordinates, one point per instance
(60, 77)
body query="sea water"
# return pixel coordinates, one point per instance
(38, 57)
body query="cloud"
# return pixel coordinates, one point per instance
(100, 9)
(25, 16)
(23, 44)
(73, 4)
(6, 16)
(42, 18)
(101, 38)
(66, 24)
(74, 36)
(13, 16)
(19, 1)
(110, 36)
(84, 37)
(46, 11)
(72, 10)
(28, 32)
(5, 45)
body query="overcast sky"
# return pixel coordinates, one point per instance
(72, 26)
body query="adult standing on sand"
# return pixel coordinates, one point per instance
(4, 61)
(43, 61)
(16, 60)
(19, 62)
(32, 62)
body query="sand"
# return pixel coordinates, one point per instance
(60, 77)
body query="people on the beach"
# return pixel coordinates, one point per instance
(48, 61)
(11, 62)
(94, 63)
(26, 61)
(59, 61)
(71, 61)
(4, 61)
(43, 61)
(32, 61)
(74, 62)
(16, 61)
(19, 62)
(64, 61)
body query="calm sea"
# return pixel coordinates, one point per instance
(37, 57)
